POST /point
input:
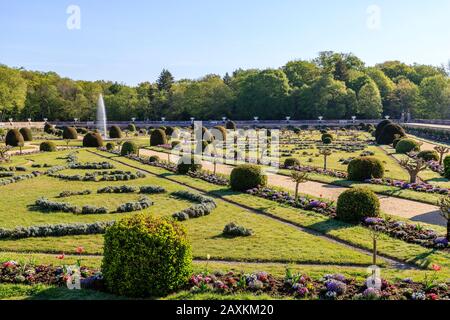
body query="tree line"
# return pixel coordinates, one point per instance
(334, 85)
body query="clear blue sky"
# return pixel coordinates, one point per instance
(131, 41)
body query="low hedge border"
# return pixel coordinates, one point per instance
(205, 207)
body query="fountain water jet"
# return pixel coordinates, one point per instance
(101, 116)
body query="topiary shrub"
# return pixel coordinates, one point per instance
(220, 133)
(158, 137)
(380, 127)
(47, 146)
(92, 140)
(356, 204)
(174, 144)
(169, 131)
(447, 167)
(188, 163)
(70, 133)
(14, 138)
(407, 145)
(247, 176)
(26, 134)
(153, 159)
(110, 146)
(327, 138)
(115, 132)
(291, 162)
(146, 257)
(129, 147)
(48, 128)
(131, 127)
(82, 130)
(230, 125)
(234, 230)
(428, 155)
(389, 133)
(395, 142)
(364, 168)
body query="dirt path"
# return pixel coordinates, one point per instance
(413, 210)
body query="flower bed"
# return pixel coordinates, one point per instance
(66, 194)
(118, 175)
(419, 186)
(117, 189)
(283, 197)
(92, 165)
(205, 207)
(327, 172)
(141, 204)
(408, 232)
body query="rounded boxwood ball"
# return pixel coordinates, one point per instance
(129, 147)
(158, 137)
(47, 146)
(110, 146)
(356, 204)
(364, 168)
(48, 128)
(93, 140)
(146, 257)
(291, 162)
(428, 155)
(115, 132)
(247, 176)
(70, 133)
(389, 133)
(230, 125)
(327, 138)
(380, 127)
(131, 127)
(14, 138)
(407, 145)
(188, 163)
(26, 134)
(153, 159)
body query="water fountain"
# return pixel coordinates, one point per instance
(101, 116)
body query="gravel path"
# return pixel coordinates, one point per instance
(413, 210)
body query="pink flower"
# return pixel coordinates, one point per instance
(436, 267)
(61, 256)
(433, 296)
(79, 250)
(9, 264)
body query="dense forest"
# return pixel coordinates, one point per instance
(334, 85)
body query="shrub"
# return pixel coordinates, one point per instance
(355, 204)
(48, 128)
(169, 131)
(93, 140)
(131, 127)
(291, 162)
(66, 194)
(407, 145)
(364, 168)
(389, 133)
(234, 230)
(174, 144)
(47, 146)
(153, 159)
(205, 207)
(429, 155)
(220, 133)
(129, 147)
(94, 210)
(188, 163)
(115, 132)
(230, 125)
(141, 204)
(381, 126)
(26, 134)
(247, 176)
(146, 257)
(447, 167)
(70, 133)
(151, 189)
(117, 189)
(82, 131)
(327, 138)
(14, 138)
(110, 146)
(158, 137)
(395, 142)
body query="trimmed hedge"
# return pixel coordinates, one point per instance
(230, 125)
(141, 204)
(115, 132)
(93, 140)
(327, 138)
(110, 146)
(14, 138)
(247, 176)
(160, 254)
(355, 204)
(70, 133)
(131, 127)
(291, 162)
(47, 146)
(205, 207)
(158, 137)
(407, 145)
(447, 167)
(188, 163)
(428, 155)
(48, 128)
(381, 126)
(153, 159)
(364, 168)
(389, 133)
(26, 134)
(129, 147)
(234, 230)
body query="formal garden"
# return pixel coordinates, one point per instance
(125, 216)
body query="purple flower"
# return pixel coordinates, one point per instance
(336, 286)
(373, 221)
(441, 241)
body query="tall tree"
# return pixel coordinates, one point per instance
(369, 101)
(165, 81)
(12, 91)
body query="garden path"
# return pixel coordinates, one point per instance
(413, 210)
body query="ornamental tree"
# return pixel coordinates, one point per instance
(444, 206)
(442, 152)
(325, 153)
(298, 177)
(414, 167)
